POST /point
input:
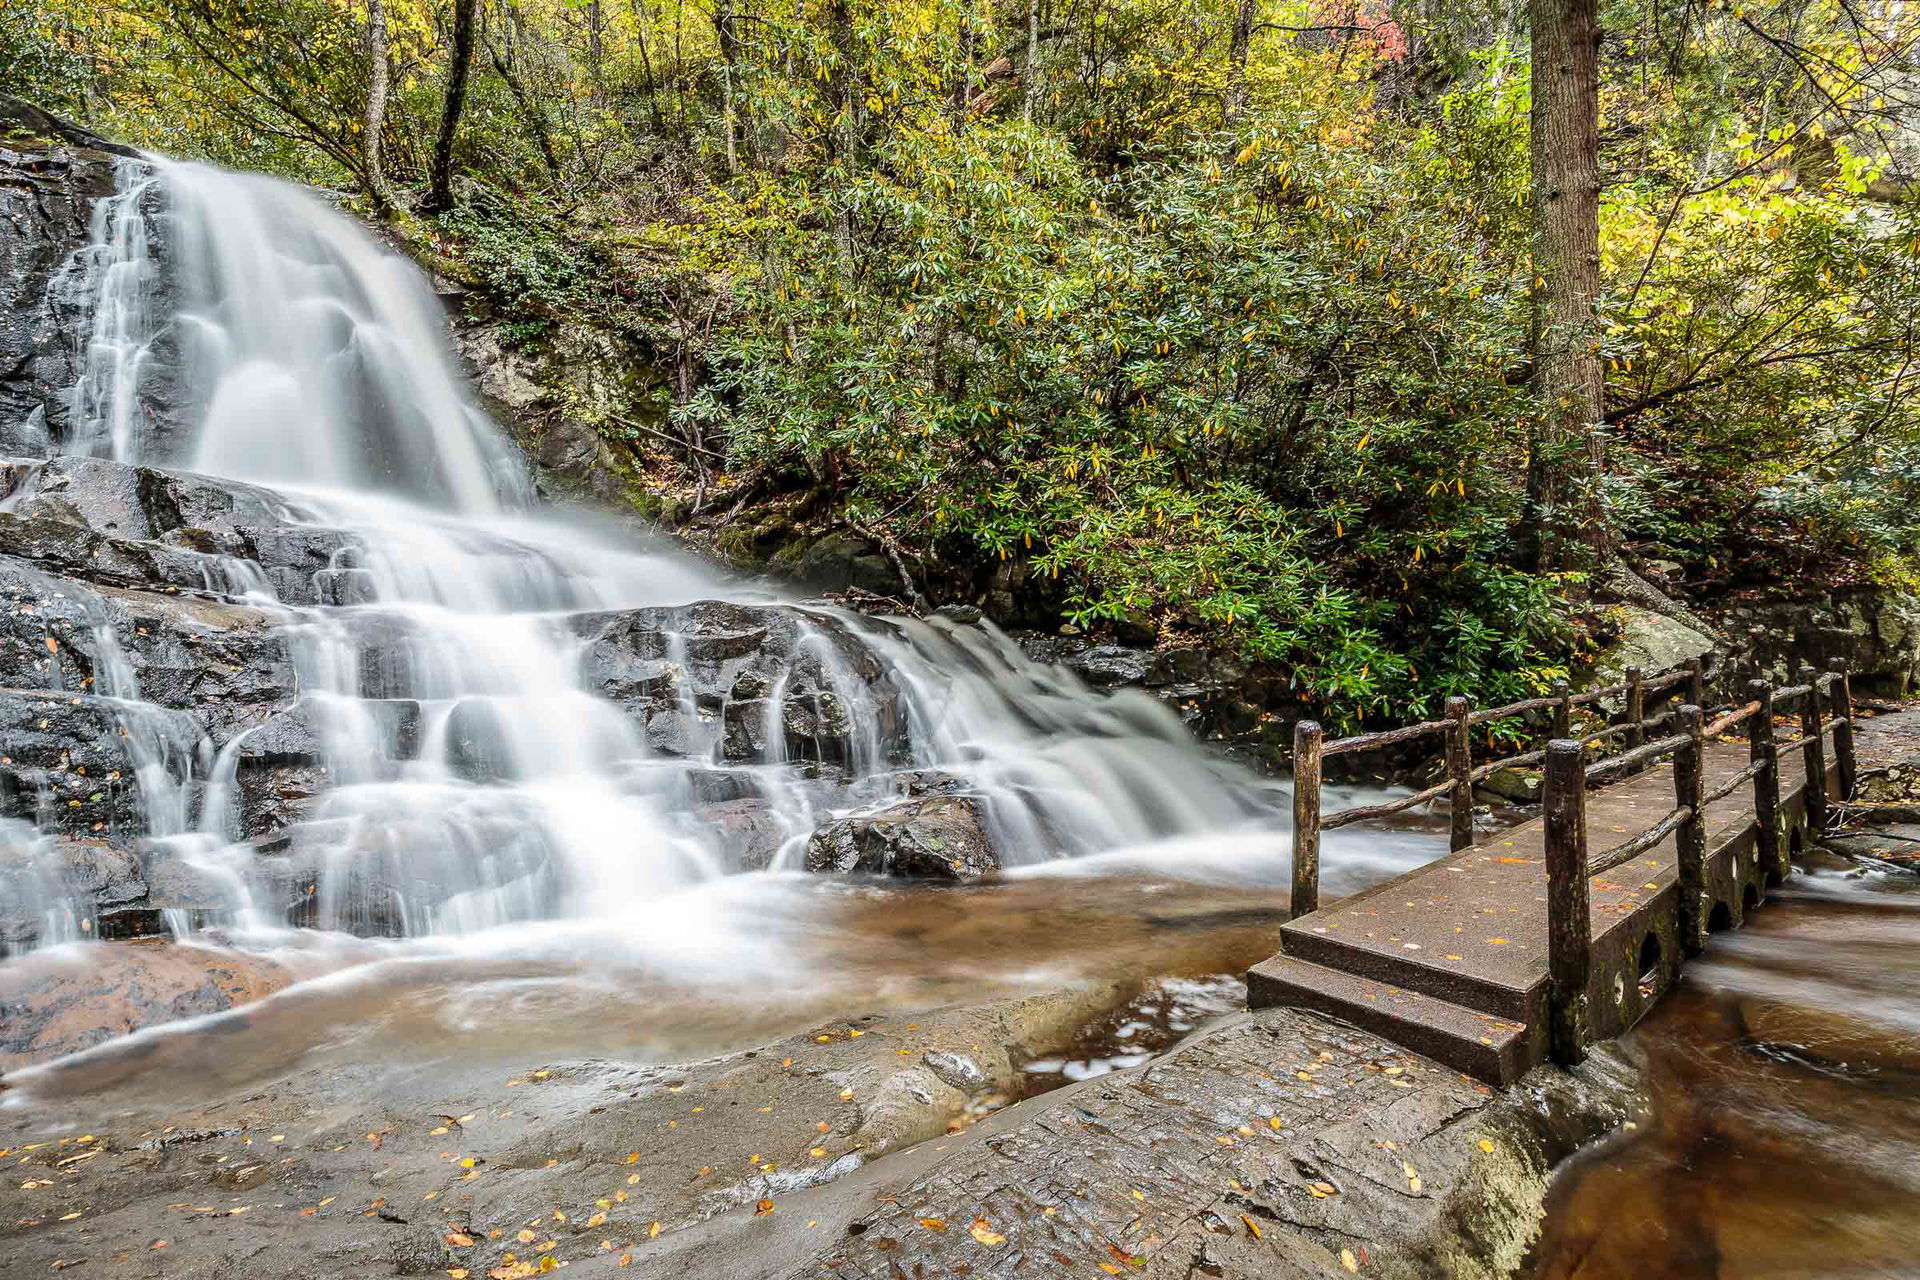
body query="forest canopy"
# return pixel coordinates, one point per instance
(1245, 318)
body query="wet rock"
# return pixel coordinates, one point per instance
(958, 1070)
(75, 882)
(117, 525)
(843, 561)
(937, 837)
(222, 660)
(1512, 786)
(747, 828)
(715, 668)
(68, 761)
(59, 1003)
(56, 174)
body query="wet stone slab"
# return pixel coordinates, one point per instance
(1278, 1144)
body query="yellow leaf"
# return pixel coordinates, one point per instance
(460, 1239)
(653, 1230)
(1347, 1260)
(933, 1224)
(762, 1207)
(1251, 1226)
(1486, 1146)
(984, 1234)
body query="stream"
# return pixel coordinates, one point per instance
(1785, 1078)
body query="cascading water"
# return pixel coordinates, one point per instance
(477, 773)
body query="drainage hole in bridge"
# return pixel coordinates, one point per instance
(1650, 955)
(1749, 900)
(1720, 918)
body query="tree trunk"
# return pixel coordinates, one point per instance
(376, 121)
(1237, 48)
(846, 131)
(531, 113)
(1033, 59)
(1569, 450)
(440, 195)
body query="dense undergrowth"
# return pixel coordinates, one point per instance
(1236, 347)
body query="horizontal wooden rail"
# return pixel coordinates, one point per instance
(1725, 723)
(1513, 709)
(1825, 709)
(1737, 781)
(1363, 813)
(1627, 850)
(1641, 755)
(1385, 738)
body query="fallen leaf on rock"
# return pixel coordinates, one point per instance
(763, 1207)
(933, 1224)
(1347, 1260)
(1251, 1225)
(460, 1239)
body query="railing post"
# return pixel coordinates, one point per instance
(1636, 708)
(1696, 682)
(1460, 770)
(1569, 929)
(1563, 709)
(1306, 819)
(1815, 753)
(1840, 707)
(1690, 837)
(1768, 849)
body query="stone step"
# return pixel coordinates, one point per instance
(1495, 1050)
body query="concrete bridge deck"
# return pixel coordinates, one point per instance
(1451, 959)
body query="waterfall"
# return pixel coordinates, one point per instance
(474, 775)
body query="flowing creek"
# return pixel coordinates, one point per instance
(1785, 1080)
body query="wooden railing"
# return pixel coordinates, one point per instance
(1310, 752)
(1825, 703)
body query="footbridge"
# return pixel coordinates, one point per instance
(1662, 821)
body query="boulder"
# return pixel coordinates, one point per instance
(1512, 786)
(933, 837)
(748, 829)
(112, 524)
(1651, 641)
(1875, 629)
(59, 1003)
(705, 674)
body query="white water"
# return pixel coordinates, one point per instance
(313, 361)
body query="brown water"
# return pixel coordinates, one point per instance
(1785, 1074)
(801, 953)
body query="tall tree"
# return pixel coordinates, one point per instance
(376, 119)
(1237, 48)
(1569, 449)
(466, 15)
